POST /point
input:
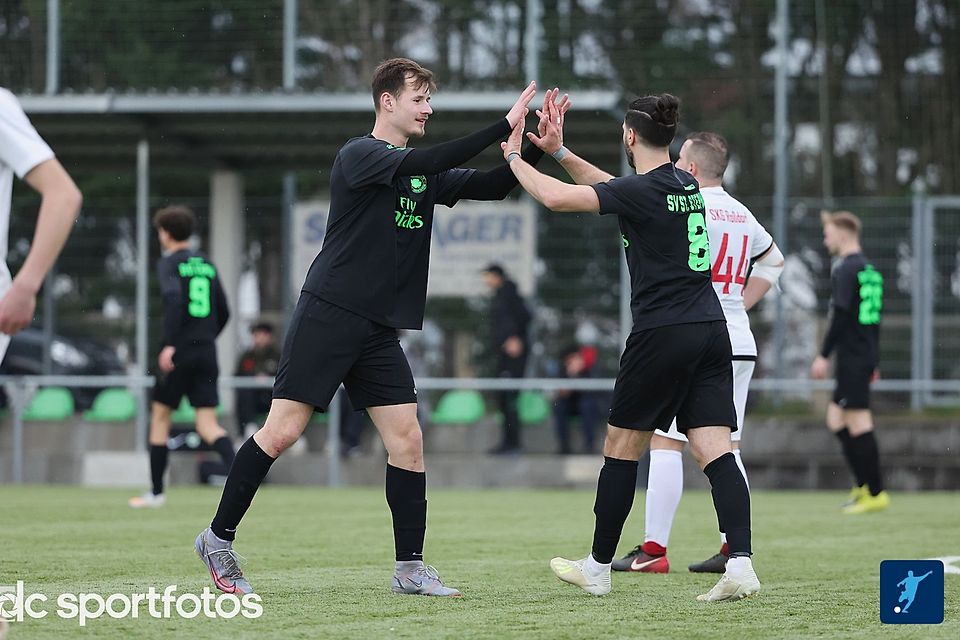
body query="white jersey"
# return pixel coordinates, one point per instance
(21, 149)
(736, 238)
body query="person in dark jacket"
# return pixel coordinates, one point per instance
(261, 361)
(509, 321)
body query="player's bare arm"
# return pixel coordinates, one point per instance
(766, 272)
(550, 192)
(59, 207)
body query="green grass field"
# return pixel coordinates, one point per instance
(322, 562)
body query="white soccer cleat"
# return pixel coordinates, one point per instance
(573, 572)
(147, 501)
(738, 582)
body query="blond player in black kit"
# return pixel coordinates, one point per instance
(369, 281)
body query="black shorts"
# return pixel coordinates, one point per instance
(681, 371)
(327, 345)
(194, 375)
(853, 383)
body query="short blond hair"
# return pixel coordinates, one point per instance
(842, 220)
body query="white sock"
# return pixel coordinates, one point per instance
(664, 489)
(739, 565)
(593, 568)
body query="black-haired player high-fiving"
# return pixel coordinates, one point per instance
(676, 363)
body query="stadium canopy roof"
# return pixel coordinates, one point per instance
(272, 130)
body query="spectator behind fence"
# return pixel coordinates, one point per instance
(578, 362)
(509, 321)
(259, 361)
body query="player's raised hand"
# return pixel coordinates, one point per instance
(519, 109)
(512, 144)
(550, 127)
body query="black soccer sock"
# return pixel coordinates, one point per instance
(407, 498)
(868, 453)
(615, 490)
(853, 461)
(249, 469)
(158, 466)
(224, 447)
(731, 499)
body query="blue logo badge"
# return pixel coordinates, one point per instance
(911, 592)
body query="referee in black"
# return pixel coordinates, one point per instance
(854, 336)
(368, 281)
(194, 313)
(677, 360)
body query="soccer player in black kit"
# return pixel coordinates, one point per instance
(368, 281)
(194, 313)
(854, 334)
(677, 360)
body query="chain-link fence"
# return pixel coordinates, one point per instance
(874, 90)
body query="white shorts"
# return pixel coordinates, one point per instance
(742, 373)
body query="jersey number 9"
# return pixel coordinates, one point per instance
(199, 297)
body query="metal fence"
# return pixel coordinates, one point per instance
(736, 65)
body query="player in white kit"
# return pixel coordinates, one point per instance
(24, 153)
(737, 243)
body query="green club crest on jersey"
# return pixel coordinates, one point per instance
(418, 183)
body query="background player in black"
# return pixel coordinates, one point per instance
(677, 360)
(368, 281)
(194, 313)
(854, 334)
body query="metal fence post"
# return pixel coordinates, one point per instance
(916, 292)
(289, 44)
(531, 42)
(780, 169)
(53, 47)
(143, 257)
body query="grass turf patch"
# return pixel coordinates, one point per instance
(322, 562)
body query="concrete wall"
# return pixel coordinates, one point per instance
(917, 454)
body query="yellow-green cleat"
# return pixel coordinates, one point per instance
(868, 504)
(855, 494)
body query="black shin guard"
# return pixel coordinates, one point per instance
(615, 490)
(224, 447)
(731, 498)
(868, 453)
(407, 498)
(249, 469)
(158, 466)
(849, 453)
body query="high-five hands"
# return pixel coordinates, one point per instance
(550, 127)
(519, 109)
